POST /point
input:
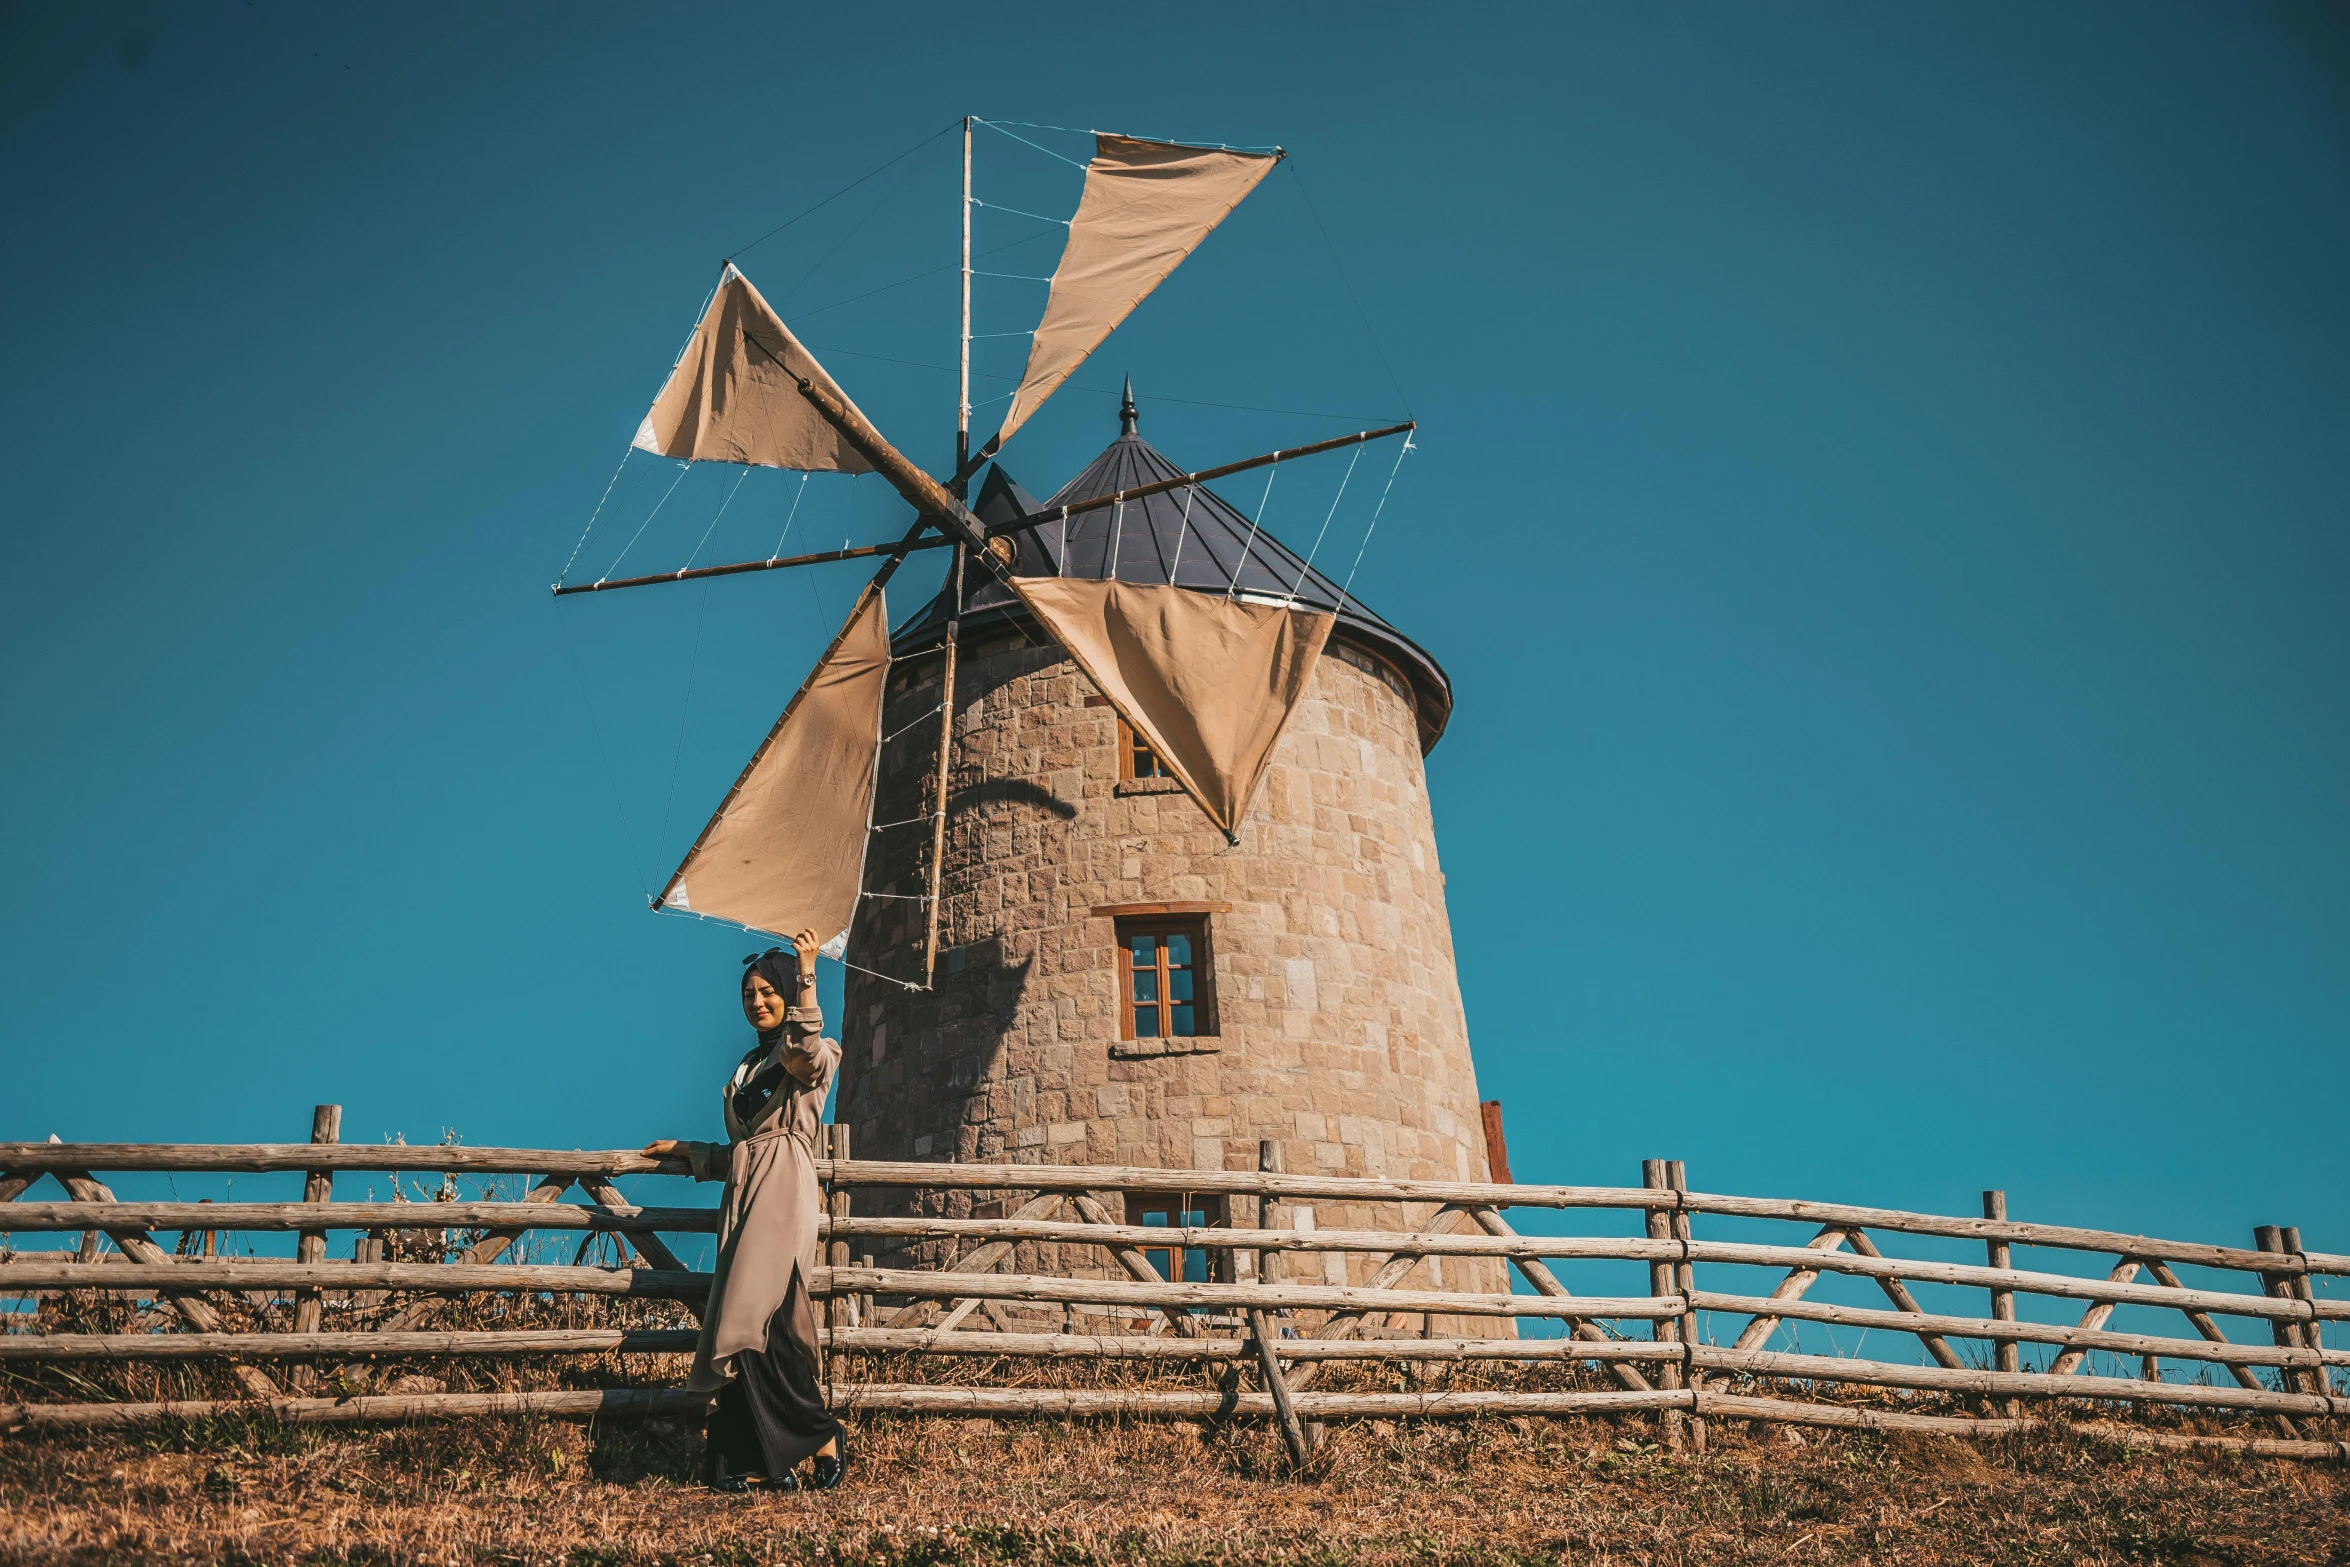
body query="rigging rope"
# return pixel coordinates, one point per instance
(1255, 523)
(1176, 141)
(1360, 313)
(797, 496)
(851, 185)
(713, 528)
(829, 349)
(1308, 563)
(997, 126)
(1346, 591)
(893, 734)
(1016, 212)
(682, 469)
(917, 277)
(1189, 491)
(887, 979)
(715, 919)
(592, 516)
(854, 230)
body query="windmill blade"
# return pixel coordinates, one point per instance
(1210, 682)
(1147, 205)
(747, 391)
(735, 394)
(786, 849)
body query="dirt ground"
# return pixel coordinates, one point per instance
(946, 1491)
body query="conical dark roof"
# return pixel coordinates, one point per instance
(1152, 540)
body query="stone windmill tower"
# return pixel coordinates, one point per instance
(1118, 985)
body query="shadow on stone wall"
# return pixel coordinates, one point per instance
(1009, 791)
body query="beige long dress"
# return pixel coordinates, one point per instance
(767, 1218)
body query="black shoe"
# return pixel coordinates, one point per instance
(718, 1477)
(787, 1481)
(829, 1471)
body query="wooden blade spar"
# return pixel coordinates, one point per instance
(946, 513)
(1037, 519)
(821, 557)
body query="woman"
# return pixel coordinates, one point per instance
(758, 1349)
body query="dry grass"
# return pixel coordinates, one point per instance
(939, 1491)
(951, 1491)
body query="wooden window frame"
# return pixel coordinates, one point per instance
(1128, 743)
(1203, 976)
(1217, 1214)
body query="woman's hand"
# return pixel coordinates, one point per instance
(804, 947)
(664, 1148)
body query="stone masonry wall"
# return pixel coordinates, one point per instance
(1340, 1030)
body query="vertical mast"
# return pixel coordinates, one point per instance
(946, 695)
(963, 389)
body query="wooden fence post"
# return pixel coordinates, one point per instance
(1663, 1330)
(1293, 1434)
(2285, 1286)
(326, 1126)
(1242, 1211)
(2320, 1381)
(2266, 1237)
(1269, 1264)
(1685, 1280)
(1272, 1268)
(836, 1147)
(2007, 1354)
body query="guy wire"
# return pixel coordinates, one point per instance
(851, 185)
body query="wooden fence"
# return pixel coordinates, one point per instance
(1257, 1337)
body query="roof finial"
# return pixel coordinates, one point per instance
(1126, 416)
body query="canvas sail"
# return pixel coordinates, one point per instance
(786, 851)
(1210, 682)
(734, 393)
(1147, 205)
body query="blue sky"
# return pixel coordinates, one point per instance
(1881, 502)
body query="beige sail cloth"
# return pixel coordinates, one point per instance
(1208, 681)
(1147, 205)
(768, 1216)
(786, 850)
(734, 394)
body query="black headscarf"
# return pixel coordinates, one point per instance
(780, 967)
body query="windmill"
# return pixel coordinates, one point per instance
(1208, 681)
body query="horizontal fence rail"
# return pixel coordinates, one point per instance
(282, 1216)
(1298, 1291)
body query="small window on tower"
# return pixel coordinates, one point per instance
(1136, 759)
(1167, 978)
